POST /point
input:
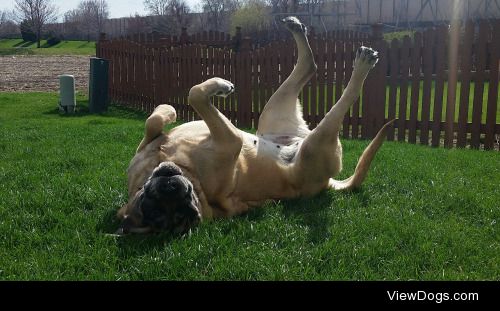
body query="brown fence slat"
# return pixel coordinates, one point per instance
(393, 85)
(415, 87)
(428, 63)
(254, 87)
(339, 69)
(466, 59)
(493, 87)
(262, 81)
(355, 107)
(348, 72)
(314, 87)
(381, 72)
(330, 59)
(453, 45)
(321, 72)
(439, 85)
(403, 96)
(477, 108)
(246, 100)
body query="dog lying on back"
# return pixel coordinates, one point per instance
(206, 169)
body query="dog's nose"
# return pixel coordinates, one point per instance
(169, 187)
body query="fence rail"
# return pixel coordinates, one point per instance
(442, 91)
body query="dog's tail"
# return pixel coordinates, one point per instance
(363, 164)
(161, 116)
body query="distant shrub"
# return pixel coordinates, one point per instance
(53, 40)
(26, 31)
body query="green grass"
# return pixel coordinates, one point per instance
(20, 47)
(423, 213)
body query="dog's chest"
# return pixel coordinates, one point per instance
(272, 149)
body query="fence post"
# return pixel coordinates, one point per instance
(155, 36)
(102, 38)
(454, 37)
(184, 38)
(236, 41)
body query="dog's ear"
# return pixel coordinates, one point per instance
(131, 215)
(123, 211)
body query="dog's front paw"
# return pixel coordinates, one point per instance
(220, 87)
(294, 25)
(366, 58)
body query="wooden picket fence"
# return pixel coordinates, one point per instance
(416, 81)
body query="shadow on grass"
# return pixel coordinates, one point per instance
(23, 44)
(312, 213)
(47, 45)
(114, 111)
(15, 51)
(316, 213)
(133, 244)
(84, 45)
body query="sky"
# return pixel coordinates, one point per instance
(117, 8)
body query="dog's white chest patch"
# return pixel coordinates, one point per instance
(284, 153)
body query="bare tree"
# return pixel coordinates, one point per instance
(101, 15)
(72, 22)
(253, 16)
(157, 7)
(173, 14)
(38, 13)
(279, 6)
(88, 18)
(179, 10)
(7, 25)
(85, 16)
(218, 12)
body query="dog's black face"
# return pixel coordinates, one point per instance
(167, 202)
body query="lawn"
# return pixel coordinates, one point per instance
(20, 47)
(423, 213)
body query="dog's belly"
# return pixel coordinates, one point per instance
(264, 170)
(261, 171)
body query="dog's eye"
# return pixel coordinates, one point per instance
(189, 193)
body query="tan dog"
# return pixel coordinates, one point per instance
(206, 169)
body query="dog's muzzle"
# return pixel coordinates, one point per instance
(167, 202)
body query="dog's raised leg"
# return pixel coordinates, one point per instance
(282, 115)
(366, 59)
(221, 129)
(322, 146)
(162, 115)
(226, 140)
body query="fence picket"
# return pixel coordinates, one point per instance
(393, 84)
(428, 63)
(439, 86)
(415, 86)
(493, 87)
(466, 58)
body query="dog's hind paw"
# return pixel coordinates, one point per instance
(221, 87)
(294, 25)
(366, 58)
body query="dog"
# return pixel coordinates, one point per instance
(209, 169)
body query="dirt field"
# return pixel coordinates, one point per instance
(40, 73)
